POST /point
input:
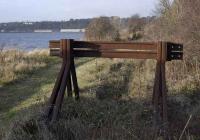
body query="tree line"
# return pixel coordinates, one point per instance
(44, 25)
(115, 28)
(134, 23)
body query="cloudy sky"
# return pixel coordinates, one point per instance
(38, 10)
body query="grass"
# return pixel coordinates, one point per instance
(115, 101)
(16, 64)
(26, 88)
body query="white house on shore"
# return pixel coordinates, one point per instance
(42, 31)
(72, 30)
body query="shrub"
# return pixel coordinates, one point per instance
(101, 29)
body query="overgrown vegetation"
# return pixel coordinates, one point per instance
(116, 28)
(115, 94)
(115, 103)
(101, 28)
(16, 64)
(178, 21)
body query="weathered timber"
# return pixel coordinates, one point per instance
(68, 49)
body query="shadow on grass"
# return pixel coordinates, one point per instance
(180, 107)
(90, 118)
(114, 83)
(29, 90)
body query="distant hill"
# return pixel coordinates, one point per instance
(56, 26)
(44, 25)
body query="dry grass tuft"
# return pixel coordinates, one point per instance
(15, 64)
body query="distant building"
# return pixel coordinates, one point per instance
(115, 18)
(42, 31)
(72, 30)
(2, 31)
(28, 23)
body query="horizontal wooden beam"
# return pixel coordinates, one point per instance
(145, 50)
(116, 54)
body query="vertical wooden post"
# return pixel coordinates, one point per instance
(164, 90)
(159, 93)
(69, 59)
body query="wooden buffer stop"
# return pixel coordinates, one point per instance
(68, 49)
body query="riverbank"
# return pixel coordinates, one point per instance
(16, 64)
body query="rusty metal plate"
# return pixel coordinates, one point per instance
(174, 51)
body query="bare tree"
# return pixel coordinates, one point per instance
(101, 29)
(177, 21)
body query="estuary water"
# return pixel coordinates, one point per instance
(31, 41)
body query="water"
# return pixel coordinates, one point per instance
(31, 41)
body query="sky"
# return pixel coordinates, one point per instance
(56, 10)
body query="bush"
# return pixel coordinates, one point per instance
(179, 22)
(101, 29)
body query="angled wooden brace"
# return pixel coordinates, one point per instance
(57, 85)
(63, 80)
(74, 78)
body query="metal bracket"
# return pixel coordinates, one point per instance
(174, 51)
